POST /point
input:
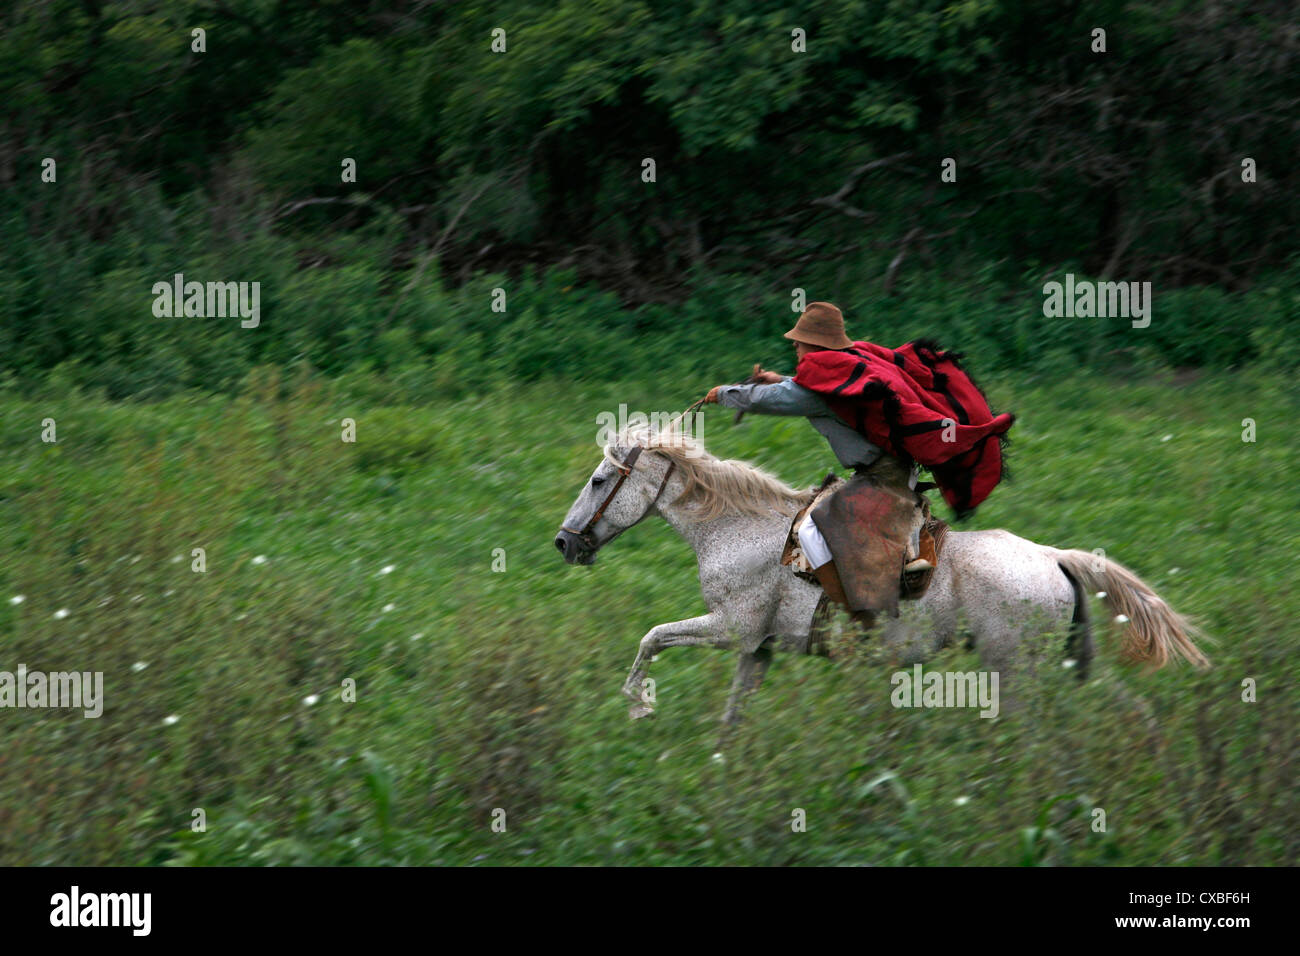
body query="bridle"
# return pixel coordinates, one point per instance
(624, 470)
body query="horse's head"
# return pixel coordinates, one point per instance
(619, 493)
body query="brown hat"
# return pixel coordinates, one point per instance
(821, 324)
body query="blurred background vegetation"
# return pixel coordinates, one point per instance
(522, 170)
(775, 170)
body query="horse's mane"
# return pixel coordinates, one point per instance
(714, 487)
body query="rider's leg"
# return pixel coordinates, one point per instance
(818, 554)
(919, 563)
(814, 546)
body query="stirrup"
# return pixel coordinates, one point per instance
(919, 564)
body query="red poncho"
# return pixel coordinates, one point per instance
(906, 401)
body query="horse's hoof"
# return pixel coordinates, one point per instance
(637, 711)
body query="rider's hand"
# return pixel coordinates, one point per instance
(769, 378)
(712, 397)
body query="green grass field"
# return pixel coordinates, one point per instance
(481, 690)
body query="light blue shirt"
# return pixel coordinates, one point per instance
(788, 398)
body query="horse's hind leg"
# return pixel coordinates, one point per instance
(1079, 647)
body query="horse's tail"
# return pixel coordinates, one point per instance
(1155, 633)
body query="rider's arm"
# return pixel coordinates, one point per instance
(782, 398)
(788, 398)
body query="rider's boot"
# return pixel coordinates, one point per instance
(829, 578)
(864, 619)
(921, 556)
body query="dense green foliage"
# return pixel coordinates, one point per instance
(522, 170)
(479, 690)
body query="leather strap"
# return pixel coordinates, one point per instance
(624, 470)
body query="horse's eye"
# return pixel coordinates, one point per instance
(597, 480)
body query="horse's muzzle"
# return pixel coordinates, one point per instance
(575, 548)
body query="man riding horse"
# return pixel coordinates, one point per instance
(884, 412)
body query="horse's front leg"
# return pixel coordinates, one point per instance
(705, 629)
(750, 671)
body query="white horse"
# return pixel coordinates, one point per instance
(992, 587)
